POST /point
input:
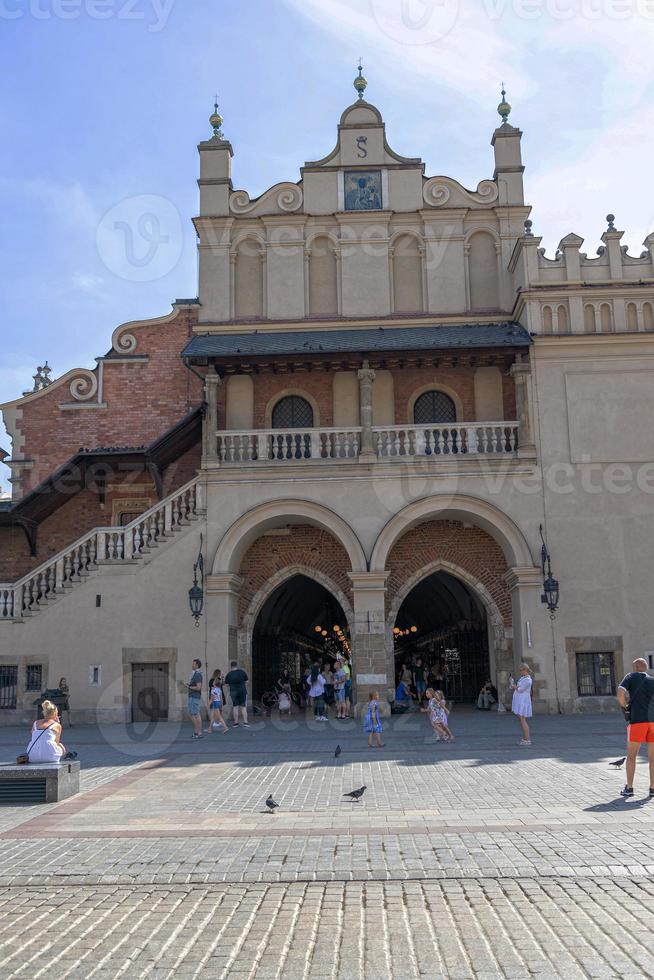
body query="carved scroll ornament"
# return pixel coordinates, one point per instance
(287, 197)
(437, 191)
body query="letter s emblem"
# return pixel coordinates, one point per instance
(361, 146)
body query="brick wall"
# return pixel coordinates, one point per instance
(408, 381)
(470, 548)
(304, 545)
(143, 401)
(318, 385)
(83, 511)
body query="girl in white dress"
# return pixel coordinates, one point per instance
(521, 703)
(45, 744)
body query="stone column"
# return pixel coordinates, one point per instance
(369, 653)
(532, 636)
(521, 374)
(221, 600)
(212, 382)
(366, 378)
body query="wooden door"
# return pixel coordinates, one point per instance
(149, 692)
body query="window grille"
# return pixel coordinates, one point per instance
(595, 674)
(33, 677)
(8, 685)
(434, 407)
(292, 412)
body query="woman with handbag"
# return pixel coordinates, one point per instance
(45, 744)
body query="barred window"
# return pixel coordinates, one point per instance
(8, 685)
(33, 677)
(595, 674)
(292, 412)
(433, 406)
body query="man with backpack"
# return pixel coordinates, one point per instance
(639, 687)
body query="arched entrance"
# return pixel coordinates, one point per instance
(299, 623)
(443, 622)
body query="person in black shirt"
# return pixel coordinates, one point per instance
(638, 686)
(236, 680)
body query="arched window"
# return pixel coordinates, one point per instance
(292, 412)
(547, 320)
(648, 316)
(589, 318)
(433, 406)
(562, 319)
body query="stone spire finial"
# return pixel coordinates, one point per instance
(360, 82)
(528, 232)
(504, 108)
(610, 218)
(216, 121)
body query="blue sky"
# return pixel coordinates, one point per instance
(103, 103)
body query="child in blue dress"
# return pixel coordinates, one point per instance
(372, 723)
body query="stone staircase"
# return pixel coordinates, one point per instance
(55, 578)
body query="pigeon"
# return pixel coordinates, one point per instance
(356, 794)
(618, 763)
(270, 803)
(337, 752)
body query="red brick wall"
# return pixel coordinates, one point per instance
(408, 381)
(83, 511)
(143, 401)
(468, 547)
(305, 545)
(317, 384)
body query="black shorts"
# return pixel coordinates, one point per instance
(239, 697)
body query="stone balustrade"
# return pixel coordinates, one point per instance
(445, 440)
(289, 445)
(389, 442)
(55, 577)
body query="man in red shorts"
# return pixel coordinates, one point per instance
(640, 688)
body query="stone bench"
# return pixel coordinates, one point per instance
(46, 782)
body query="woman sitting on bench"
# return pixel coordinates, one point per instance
(45, 744)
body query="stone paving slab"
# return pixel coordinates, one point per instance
(456, 929)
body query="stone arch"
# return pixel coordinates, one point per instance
(562, 322)
(495, 618)
(632, 316)
(590, 325)
(256, 603)
(435, 386)
(275, 513)
(606, 318)
(547, 320)
(459, 507)
(286, 393)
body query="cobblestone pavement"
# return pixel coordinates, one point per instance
(478, 859)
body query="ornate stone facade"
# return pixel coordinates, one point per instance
(382, 392)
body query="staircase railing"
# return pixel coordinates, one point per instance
(74, 563)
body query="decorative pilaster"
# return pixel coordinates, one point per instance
(366, 377)
(521, 374)
(212, 382)
(373, 664)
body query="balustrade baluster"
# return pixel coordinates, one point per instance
(420, 441)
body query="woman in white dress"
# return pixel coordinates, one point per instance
(521, 703)
(45, 744)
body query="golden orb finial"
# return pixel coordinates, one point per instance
(360, 82)
(504, 108)
(216, 120)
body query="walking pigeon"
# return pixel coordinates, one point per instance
(337, 752)
(356, 794)
(618, 763)
(270, 803)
